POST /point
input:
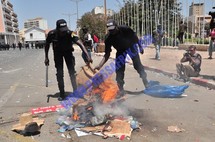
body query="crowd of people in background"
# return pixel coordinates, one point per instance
(4, 46)
(20, 45)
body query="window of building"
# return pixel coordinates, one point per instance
(31, 35)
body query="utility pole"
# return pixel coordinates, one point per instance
(69, 16)
(105, 11)
(105, 15)
(76, 1)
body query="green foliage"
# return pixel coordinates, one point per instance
(202, 41)
(197, 40)
(189, 40)
(94, 23)
(141, 16)
(187, 34)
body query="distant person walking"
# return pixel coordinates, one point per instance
(20, 45)
(211, 47)
(182, 29)
(88, 42)
(14, 46)
(157, 40)
(96, 41)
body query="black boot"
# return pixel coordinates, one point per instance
(121, 92)
(61, 86)
(145, 82)
(62, 95)
(74, 84)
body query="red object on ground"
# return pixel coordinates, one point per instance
(122, 137)
(45, 109)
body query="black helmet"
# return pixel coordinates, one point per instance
(111, 24)
(61, 25)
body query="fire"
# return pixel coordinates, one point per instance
(105, 93)
(110, 90)
(75, 116)
(107, 90)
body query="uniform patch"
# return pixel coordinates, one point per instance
(73, 34)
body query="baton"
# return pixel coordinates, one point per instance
(47, 76)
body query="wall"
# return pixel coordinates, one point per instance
(2, 28)
(37, 35)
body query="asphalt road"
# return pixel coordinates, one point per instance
(22, 87)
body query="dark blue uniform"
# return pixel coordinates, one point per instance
(62, 47)
(124, 41)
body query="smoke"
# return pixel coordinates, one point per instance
(115, 108)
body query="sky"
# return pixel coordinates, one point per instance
(52, 10)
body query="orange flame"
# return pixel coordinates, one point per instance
(108, 90)
(75, 116)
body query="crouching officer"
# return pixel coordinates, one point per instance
(62, 40)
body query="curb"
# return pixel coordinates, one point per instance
(203, 82)
(194, 80)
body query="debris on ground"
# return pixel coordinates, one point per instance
(155, 89)
(175, 129)
(154, 129)
(28, 125)
(45, 109)
(100, 112)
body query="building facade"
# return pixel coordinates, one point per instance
(100, 10)
(196, 9)
(197, 20)
(34, 37)
(37, 22)
(9, 32)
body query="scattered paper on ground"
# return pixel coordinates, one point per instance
(119, 128)
(175, 129)
(81, 133)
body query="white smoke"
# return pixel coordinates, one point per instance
(114, 109)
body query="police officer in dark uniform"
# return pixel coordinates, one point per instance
(125, 41)
(62, 40)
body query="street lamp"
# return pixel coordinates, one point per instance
(105, 15)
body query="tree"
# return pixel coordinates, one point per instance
(95, 24)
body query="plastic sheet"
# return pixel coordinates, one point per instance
(164, 91)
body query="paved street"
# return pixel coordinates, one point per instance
(22, 87)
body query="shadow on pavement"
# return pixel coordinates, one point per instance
(133, 92)
(56, 95)
(207, 77)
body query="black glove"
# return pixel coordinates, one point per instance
(46, 61)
